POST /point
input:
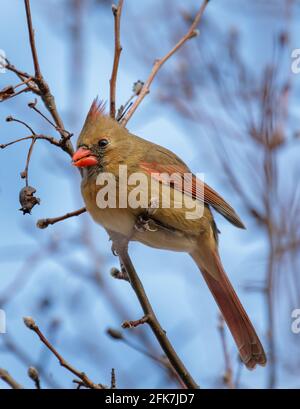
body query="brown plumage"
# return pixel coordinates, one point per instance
(103, 145)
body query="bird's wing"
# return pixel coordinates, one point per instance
(179, 177)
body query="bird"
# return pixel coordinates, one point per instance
(104, 147)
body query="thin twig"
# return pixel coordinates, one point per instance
(160, 62)
(117, 11)
(23, 82)
(6, 377)
(12, 119)
(22, 356)
(117, 335)
(50, 139)
(10, 91)
(20, 74)
(34, 375)
(15, 94)
(113, 383)
(44, 223)
(32, 40)
(30, 323)
(121, 246)
(25, 172)
(135, 323)
(32, 105)
(161, 360)
(44, 89)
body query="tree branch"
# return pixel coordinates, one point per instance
(34, 375)
(113, 383)
(30, 323)
(32, 41)
(160, 62)
(121, 247)
(161, 360)
(44, 89)
(6, 377)
(50, 139)
(44, 223)
(117, 11)
(24, 174)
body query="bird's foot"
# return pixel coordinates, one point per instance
(113, 250)
(144, 221)
(142, 224)
(119, 242)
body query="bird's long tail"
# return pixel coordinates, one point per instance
(249, 346)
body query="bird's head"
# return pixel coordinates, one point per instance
(102, 140)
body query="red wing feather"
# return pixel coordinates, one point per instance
(180, 173)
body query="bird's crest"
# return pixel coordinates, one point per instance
(97, 109)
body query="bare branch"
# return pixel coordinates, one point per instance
(43, 87)
(6, 377)
(24, 174)
(160, 62)
(12, 119)
(161, 360)
(32, 105)
(136, 323)
(22, 75)
(121, 247)
(10, 91)
(32, 40)
(50, 139)
(34, 375)
(117, 11)
(30, 323)
(113, 383)
(44, 223)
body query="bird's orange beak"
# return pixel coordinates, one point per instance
(83, 157)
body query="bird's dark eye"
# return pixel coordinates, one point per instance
(102, 143)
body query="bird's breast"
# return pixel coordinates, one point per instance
(119, 220)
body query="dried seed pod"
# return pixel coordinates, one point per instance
(115, 334)
(6, 92)
(27, 199)
(137, 87)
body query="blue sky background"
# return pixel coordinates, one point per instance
(175, 287)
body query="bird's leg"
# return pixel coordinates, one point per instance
(118, 247)
(143, 220)
(118, 241)
(113, 250)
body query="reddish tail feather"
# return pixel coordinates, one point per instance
(249, 346)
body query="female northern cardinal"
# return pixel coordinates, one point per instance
(104, 145)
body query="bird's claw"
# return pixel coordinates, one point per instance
(142, 224)
(114, 251)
